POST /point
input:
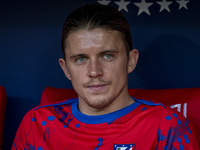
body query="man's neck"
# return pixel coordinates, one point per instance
(119, 103)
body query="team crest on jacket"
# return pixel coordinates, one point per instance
(124, 147)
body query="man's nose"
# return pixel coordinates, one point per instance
(95, 69)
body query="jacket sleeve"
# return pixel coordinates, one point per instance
(176, 132)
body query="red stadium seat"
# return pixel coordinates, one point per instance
(186, 101)
(52, 95)
(3, 99)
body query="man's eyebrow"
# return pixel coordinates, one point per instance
(77, 55)
(101, 53)
(109, 51)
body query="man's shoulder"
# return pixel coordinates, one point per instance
(48, 108)
(65, 102)
(148, 102)
(165, 110)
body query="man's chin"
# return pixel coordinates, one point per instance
(99, 102)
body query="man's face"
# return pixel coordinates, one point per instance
(98, 66)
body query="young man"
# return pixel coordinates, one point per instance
(98, 55)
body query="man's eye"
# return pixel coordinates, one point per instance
(108, 57)
(80, 60)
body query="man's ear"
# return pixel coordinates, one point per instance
(133, 58)
(63, 65)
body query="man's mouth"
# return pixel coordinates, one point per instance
(97, 87)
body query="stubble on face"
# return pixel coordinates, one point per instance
(106, 92)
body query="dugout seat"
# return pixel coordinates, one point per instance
(3, 100)
(186, 100)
